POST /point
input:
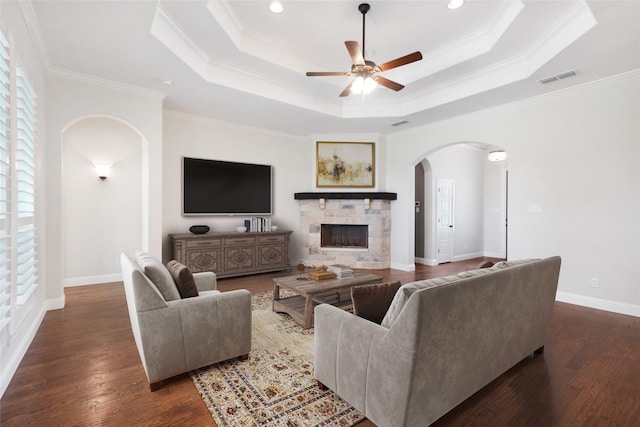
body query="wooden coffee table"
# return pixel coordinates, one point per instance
(310, 293)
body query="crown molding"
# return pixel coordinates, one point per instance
(210, 121)
(108, 84)
(35, 31)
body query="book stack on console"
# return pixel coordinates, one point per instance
(340, 270)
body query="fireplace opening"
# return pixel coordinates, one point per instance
(344, 236)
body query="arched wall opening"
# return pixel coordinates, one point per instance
(478, 223)
(101, 218)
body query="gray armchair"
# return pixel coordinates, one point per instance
(175, 335)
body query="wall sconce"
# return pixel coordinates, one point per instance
(497, 156)
(103, 171)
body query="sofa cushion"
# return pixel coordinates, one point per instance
(371, 302)
(183, 278)
(159, 275)
(405, 291)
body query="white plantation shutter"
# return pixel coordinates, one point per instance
(5, 186)
(25, 178)
(18, 166)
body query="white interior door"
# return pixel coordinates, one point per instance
(445, 216)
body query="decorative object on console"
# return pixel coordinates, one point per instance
(241, 229)
(258, 224)
(345, 164)
(199, 229)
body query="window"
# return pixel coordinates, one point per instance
(18, 148)
(5, 181)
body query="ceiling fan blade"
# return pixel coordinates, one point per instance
(407, 59)
(355, 52)
(347, 90)
(326, 73)
(388, 83)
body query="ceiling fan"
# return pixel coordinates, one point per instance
(366, 72)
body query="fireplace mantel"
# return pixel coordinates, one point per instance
(346, 196)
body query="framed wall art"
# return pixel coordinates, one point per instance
(345, 164)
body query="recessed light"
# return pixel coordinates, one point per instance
(167, 82)
(454, 4)
(276, 7)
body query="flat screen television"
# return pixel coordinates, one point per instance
(215, 187)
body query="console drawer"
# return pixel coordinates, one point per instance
(235, 241)
(278, 238)
(204, 243)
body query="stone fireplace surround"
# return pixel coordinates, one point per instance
(362, 208)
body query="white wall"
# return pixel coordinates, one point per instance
(575, 154)
(73, 98)
(495, 200)
(101, 219)
(194, 136)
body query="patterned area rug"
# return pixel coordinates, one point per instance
(275, 387)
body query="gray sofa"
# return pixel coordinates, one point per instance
(176, 335)
(440, 341)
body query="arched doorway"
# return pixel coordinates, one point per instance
(100, 218)
(478, 228)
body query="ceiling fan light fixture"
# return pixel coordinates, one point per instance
(276, 7)
(362, 85)
(454, 4)
(365, 71)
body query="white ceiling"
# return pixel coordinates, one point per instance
(237, 61)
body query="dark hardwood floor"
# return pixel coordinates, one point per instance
(83, 369)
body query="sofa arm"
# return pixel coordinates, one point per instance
(205, 281)
(216, 327)
(194, 332)
(343, 346)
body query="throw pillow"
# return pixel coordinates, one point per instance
(371, 302)
(485, 264)
(159, 275)
(183, 278)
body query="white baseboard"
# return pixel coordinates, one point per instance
(92, 280)
(24, 341)
(403, 267)
(429, 262)
(599, 304)
(465, 257)
(55, 303)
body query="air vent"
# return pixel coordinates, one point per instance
(558, 76)
(400, 123)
